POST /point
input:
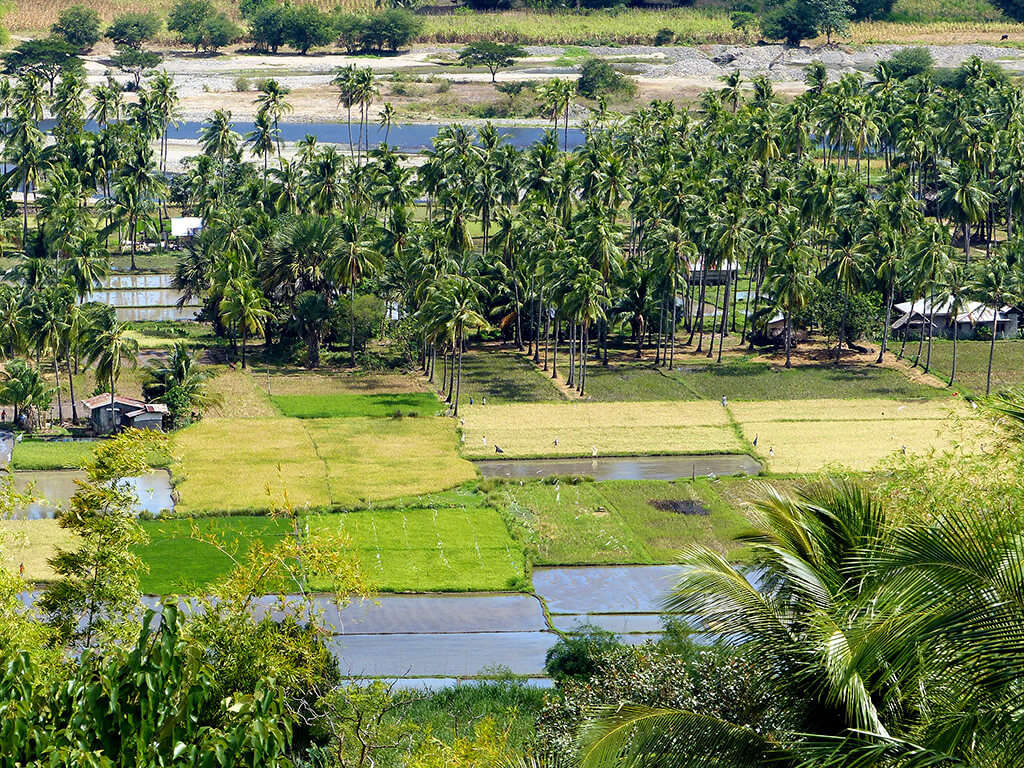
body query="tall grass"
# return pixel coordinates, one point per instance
(926, 11)
(691, 25)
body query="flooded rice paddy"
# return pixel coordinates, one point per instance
(53, 489)
(137, 298)
(623, 467)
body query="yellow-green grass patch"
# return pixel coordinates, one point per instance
(373, 459)
(225, 465)
(622, 428)
(868, 409)
(238, 395)
(32, 543)
(811, 446)
(231, 465)
(441, 549)
(350, 405)
(618, 522)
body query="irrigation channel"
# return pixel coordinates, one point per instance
(623, 467)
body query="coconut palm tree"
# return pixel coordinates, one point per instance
(244, 306)
(273, 103)
(953, 291)
(789, 278)
(109, 348)
(23, 387)
(964, 195)
(997, 282)
(354, 260)
(903, 637)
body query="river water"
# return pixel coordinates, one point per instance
(408, 137)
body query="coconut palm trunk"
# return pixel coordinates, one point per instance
(991, 351)
(956, 329)
(789, 337)
(554, 352)
(458, 378)
(725, 317)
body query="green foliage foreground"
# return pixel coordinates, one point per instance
(148, 705)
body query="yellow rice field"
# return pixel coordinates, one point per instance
(811, 435)
(530, 429)
(229, 465)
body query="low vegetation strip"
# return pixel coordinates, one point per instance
(239, 465)
(50, 454)
(63, 454)
(751, 380)
(423, 550)
(618, 522)
(349, 405)
(578, 429)
(368, 460)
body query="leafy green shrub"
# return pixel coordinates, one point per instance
(910, 62)
(266, 28)
(369, 314)
(664, 36)
(712, 681)
(597, 77)
(242, 84)
(306, 26)
(79, 26)
(133, 29)
(792, 21)
(576, 656)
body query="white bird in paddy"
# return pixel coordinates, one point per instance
(594, 452)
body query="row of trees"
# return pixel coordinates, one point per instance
(198, 23)
(863, 188)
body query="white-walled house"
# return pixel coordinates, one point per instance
(914, 318)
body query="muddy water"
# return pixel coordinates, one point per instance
(55, 488)
(623, 467)
(143, 297)
(430, 641)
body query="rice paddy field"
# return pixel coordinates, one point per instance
(502, 376)
(350, 405)
(746, 379)
(972, 363)
(529, 430)
(439, 549)
(236, 465)
(618, 522)
(811, 436)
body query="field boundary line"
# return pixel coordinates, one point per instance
(323, 461)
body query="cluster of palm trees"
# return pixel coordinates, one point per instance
(559, 248)
(891, 187)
